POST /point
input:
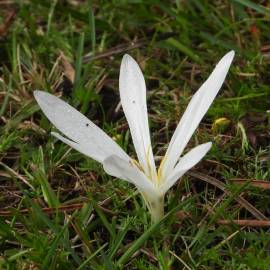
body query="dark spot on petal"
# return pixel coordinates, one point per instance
(87, 124)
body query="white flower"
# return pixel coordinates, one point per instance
(84, 136)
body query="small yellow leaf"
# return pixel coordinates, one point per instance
(220, 124)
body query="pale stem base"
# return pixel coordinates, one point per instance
(156, 208)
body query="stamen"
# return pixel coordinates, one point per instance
(148, 162)
(137, 164)
(159, 175)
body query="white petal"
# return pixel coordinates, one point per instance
(195, 111)
(185, 163)
(84, 135)
(89, 150)
(192, 157)
(133, 98)
(122, 169)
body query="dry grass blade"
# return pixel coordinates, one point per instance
(17, 175)
(213, 181)
(7, 23)
(256, 183)
(125, 47)
(245, 222)
(48, 210)
(68, 68)
(61, 208)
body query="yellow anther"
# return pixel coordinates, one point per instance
(159, 175)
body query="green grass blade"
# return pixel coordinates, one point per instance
(5, 102)
(41, 176)
(92, 26)
(143, 238)
(78, 64)
(119, 238)
(84, 264)
(104, 220)
(53, 246)
(254, 6)
(185, 50)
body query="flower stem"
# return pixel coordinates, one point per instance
(156, 208)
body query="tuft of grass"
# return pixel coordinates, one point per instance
(59, 210)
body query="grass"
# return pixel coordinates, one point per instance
(59, 210)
